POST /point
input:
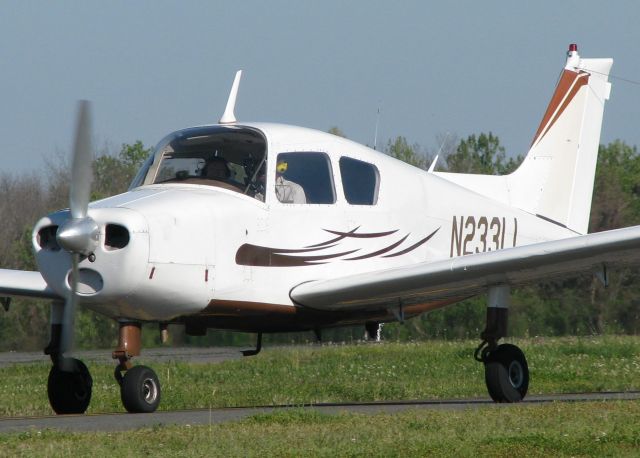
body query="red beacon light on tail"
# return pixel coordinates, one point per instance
(573, 59)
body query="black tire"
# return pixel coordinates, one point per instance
(69, 392)
(140, 390)
(506, 374)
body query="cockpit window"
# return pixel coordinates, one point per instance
(360, 181)
(304, 178)
(227, 157)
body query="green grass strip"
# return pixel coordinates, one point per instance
(342, 373)
(559, 429)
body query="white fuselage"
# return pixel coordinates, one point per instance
(195, 248)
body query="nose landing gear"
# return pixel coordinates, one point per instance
(506, 370)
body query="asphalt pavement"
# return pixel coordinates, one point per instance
(127, 422)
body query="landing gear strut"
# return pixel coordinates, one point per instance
(505, 367)
(139, 386)
(373, 329)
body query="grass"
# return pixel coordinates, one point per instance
(389, 371)
(582, 429)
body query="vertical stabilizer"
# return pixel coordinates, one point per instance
(555, 181)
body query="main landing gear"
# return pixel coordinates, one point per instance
(70, 383)
(505, 367)
(373, 331)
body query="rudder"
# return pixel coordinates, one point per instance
(555, 180)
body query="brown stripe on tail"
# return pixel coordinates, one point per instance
(568, 86)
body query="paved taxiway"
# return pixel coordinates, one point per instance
(190, 354)
(125, 422)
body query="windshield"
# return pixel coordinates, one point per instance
(230, 157)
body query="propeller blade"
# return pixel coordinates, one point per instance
(80, 234)
(81, 167)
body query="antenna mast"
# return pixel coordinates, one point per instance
(375, 135)
(432, 167)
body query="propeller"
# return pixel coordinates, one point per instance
(79, 235)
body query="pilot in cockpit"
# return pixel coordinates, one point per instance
(288, 192)
(216, 169)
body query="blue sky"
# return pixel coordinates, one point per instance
(151, 67)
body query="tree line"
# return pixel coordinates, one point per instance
(577, 306)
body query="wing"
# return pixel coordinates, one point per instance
(466, 276)
(24, 283)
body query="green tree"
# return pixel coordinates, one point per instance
(337, 131)
(113, 173)
(400, 149)
(483, 155)
(616, 195)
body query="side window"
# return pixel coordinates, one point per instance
(360, 181)
(304, 178)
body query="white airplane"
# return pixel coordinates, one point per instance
(259, 228)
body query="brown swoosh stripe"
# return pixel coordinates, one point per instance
(352, 234)
(364, 235)
(337, 239)
(379, 252)
(260, 256)
(297, 250)
(564, 86)
(254, 255)
(412, 247)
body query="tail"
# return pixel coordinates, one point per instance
(555, 180)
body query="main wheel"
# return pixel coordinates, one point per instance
(140, 390)
(506, 373)
(69, 392)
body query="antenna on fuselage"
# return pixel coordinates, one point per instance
(228, 117)
(375, 135)
(433, 164)
(435, 159)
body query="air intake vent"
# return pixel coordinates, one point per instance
(116, 237)
(47, 238)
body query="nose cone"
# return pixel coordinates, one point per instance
(118, 238)
(79, 236)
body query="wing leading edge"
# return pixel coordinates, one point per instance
(24, 283)
(473, 274)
